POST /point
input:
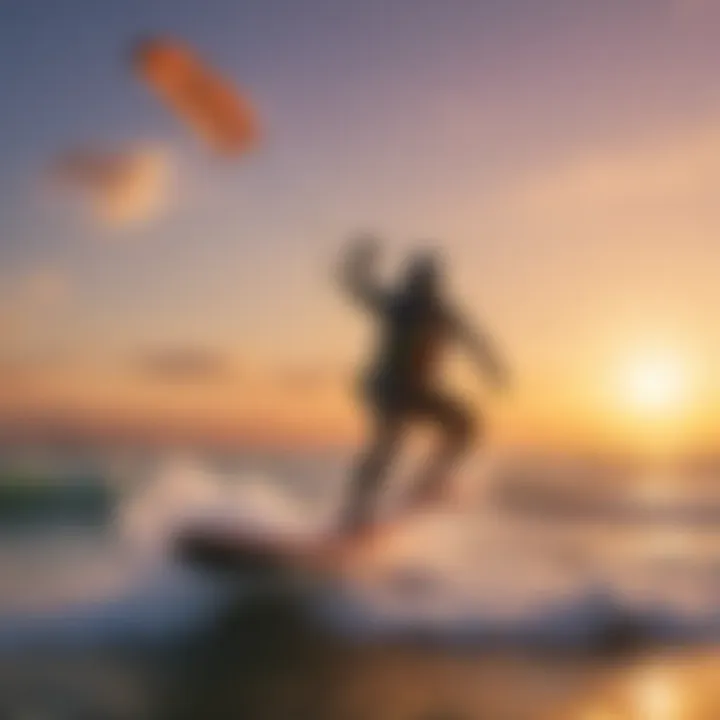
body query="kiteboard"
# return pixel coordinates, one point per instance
(243, 550)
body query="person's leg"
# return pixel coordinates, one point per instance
(371, 470)
(457, 428)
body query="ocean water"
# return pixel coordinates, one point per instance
(539, 553)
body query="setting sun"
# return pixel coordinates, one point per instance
(656, 385)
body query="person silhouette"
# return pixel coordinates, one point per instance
(401, 386)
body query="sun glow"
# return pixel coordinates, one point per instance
(655, 385)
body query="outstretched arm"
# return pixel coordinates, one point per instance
(357, 270)
(483, 351)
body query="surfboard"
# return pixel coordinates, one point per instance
(244, 550)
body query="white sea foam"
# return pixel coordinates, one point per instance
(464, 575)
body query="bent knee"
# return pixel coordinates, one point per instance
(461, 429)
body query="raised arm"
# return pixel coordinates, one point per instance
(482, 349)
(357, 274)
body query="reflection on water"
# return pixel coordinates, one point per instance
(679, 688)
(257, 673)
(658, 695)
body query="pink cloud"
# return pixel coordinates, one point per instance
(121, 188)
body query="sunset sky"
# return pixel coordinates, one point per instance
(565, 154)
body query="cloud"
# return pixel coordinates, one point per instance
(197, 364)
(184, 364)
(305, 380)
(122, 188)
(662, 168)
(614, 246)
(635, 197)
